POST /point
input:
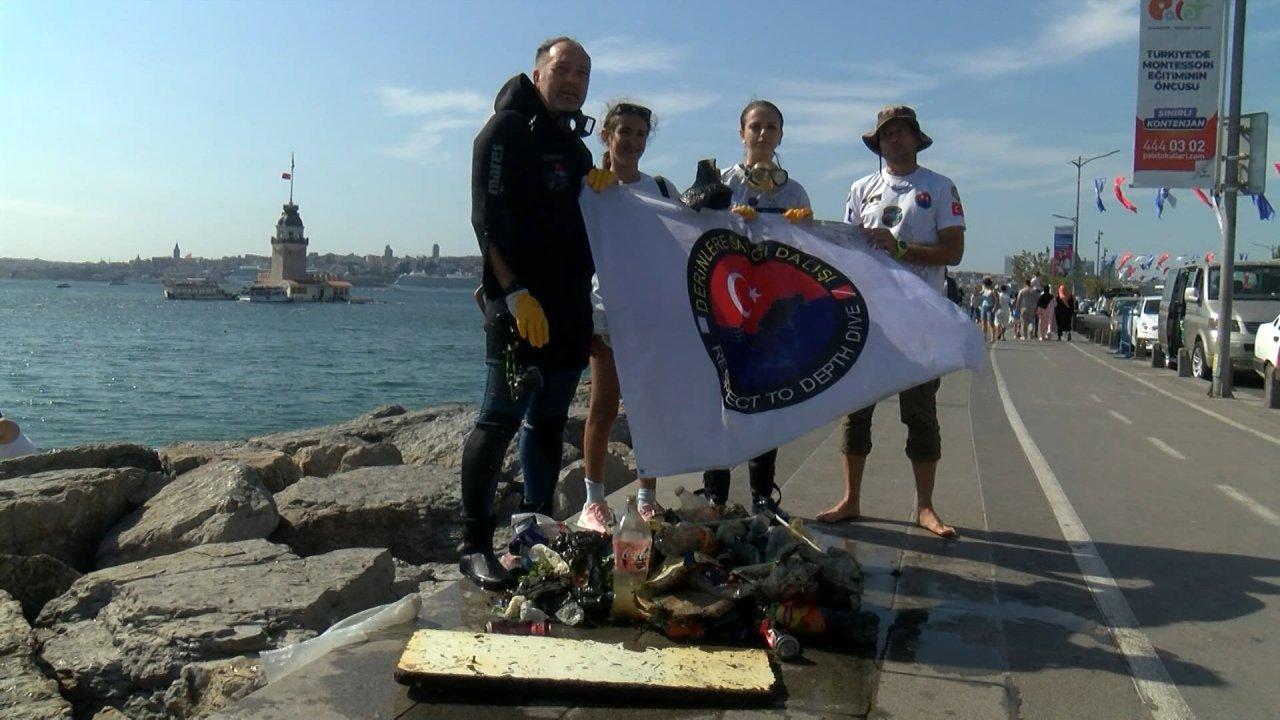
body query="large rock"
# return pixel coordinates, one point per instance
(276, 468)
(383, 453)
(34, 580)
(411, 510)
(65, 513)
(204, 688)
(25, 692)
(372, 427)
(120, 455)
(571, 492)
(217, 503)
(124, 635)
(321, 460)
(437, 439)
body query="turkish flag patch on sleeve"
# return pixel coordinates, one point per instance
(957, 209)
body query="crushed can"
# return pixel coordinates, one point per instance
(785, 646)
(536, 628)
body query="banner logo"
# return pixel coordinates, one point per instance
(1181, 10)
(779, 324)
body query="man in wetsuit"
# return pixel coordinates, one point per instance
(528, 164)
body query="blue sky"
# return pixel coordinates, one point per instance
(128, 126)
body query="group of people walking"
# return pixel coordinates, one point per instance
(544, 313)
(1034, 312)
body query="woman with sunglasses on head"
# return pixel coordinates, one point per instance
(625, 133)
(759, 185)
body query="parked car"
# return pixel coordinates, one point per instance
(1145, 324)
(1266, 348)
(1190, 304)
(1123, 310)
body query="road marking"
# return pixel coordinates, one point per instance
(1095, 398)
(1120, 417)
(1149, 674)
(1188, 403)
(1256, 507)
(1167, 448)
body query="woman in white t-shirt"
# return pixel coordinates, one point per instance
(759, 186)
(625, 134)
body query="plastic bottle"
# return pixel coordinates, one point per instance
(632, 550)
(693, 506)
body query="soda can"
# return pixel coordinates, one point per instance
(785, 646)
(537, 628)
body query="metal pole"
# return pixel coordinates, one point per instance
(1221, 386)
(1097, 259)
(1075, 236)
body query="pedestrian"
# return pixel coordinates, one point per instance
(14, 442)
(759, 185)
(1004, 308)
(1065, 312)
(988, 302)
(1046, 306)
(915, 215)
(975, 302)
(625, 133)
(528, 166)
(1026, 304)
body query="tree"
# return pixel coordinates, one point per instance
(1027, 263)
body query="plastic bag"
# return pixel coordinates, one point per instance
(348, 631)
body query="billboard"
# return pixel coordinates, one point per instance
(1180, 69)
(1062, 250)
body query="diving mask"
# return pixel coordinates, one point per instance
(766, 176)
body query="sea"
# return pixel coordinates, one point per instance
(95, 363)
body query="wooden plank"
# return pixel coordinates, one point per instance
(458, 661)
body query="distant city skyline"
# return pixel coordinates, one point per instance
(131, 126)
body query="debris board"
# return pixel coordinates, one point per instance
(469, 661)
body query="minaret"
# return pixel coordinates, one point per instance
(177, 254)
(289, 246)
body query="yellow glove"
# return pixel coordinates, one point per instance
(531, 321)
(747, 212)
(797, 215)
(598, 179)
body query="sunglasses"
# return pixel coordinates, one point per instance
(639, 111)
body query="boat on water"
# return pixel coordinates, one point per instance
(62, 285)
(195, 289)
(264, 294)
(117, 281)
(420, 281)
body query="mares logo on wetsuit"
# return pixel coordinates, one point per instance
(779, 324)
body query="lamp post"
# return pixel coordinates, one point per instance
(1079, 162)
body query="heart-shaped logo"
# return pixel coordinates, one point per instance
(779, 324)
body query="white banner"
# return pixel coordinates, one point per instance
(1180, 69)
(733, 338)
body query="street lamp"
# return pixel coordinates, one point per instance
(1079, 162)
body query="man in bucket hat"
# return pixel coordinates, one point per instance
(915, 215)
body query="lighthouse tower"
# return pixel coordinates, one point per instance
(289, 247)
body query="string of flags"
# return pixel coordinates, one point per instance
(1139, 268)
(1165, 198)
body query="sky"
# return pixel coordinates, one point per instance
(127, 127)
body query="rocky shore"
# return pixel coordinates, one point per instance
(142, 583)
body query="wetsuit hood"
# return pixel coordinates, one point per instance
(521, 96)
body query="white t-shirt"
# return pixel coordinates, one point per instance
(790, 195)
(914, 208)
(22, 445)
(646, 185)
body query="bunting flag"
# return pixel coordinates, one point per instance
(1124, 201)
(1099, 183)
(1162, 259)
(1244, 256)
(1208, 257)
(1265, 211)
(757, 332)
(1145, 261)
(1124, 258)
(286, 175)
(1203, 198)
(1278, 168)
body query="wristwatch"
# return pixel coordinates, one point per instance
(901, 249)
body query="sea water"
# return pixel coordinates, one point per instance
(106, 363)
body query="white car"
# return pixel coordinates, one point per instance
(1266, 348)
(1145, 324)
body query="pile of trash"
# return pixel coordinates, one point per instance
(697, 573)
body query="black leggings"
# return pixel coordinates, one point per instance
(760, 470)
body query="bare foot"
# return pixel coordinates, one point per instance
(842, 511)
(929, 520)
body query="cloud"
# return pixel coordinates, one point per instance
(620, 54)
(53, 211)
(446, 111)
(827, 122)
(1077, 30)
(403, 101)
(665, 104)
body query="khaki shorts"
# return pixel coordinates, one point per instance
(919, 411)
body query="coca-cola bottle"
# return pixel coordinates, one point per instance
(632, 548)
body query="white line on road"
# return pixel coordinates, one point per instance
(1188, 403)
(1120, 417)
(1150, 676)
(1167, 449)
(1095, 398)
(1256, 507)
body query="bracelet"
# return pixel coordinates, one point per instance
(902, 249)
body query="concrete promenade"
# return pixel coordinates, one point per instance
(1056, 457)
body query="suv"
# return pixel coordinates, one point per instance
(1147, 321)
(1189, 311)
